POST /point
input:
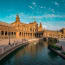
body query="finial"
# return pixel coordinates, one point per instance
(17, 18)
(40, 24)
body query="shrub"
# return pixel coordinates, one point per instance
(63, 53)
(56, 47)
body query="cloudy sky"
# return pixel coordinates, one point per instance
(50, 12)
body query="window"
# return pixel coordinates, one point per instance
(14, 33)
(20, 33)
(2, 32)
(6, 33)
(30, 34)
(30, 29)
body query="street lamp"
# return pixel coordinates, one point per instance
(9, 36)
(9, 39)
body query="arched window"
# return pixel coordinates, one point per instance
(14, 33)
(6, 33)
(30, 34)
(24, 34)
(2, 32)
(31, 29)
(20, 33)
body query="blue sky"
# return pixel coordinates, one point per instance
(50, 12)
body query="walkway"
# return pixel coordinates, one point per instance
(61, 43)
(7, 49)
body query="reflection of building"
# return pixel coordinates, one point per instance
(21, 30)
(18, 29)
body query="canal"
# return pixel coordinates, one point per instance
(33, 54)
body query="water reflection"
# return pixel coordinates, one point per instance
(52, 54)
(34, 54)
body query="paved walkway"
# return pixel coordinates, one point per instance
(6, 41)
(11, 49)
(6, 49)
(61, 43)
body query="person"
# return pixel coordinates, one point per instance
(61, 46)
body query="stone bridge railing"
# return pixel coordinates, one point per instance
(5, 48)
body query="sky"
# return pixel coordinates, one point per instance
(51, 13)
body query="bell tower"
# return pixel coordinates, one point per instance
(17, 18)
(17, 23)
(40, 27)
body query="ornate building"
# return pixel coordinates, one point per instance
(18, 29)
(21, 30)
(55, 34)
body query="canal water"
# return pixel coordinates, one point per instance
(33, 54)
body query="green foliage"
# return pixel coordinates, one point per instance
(52, 41)
(56, 47)
(63, 53)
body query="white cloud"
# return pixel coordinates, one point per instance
(48, 24)
(53, 26)
(56, 3)
(50, 9)
(53, 10)
(43, 16)
(22, 15)
(53, 15)
(41, 6)
(34, 3)
(11, 16)
(44, 7)
(30, 7)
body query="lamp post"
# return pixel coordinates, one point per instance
(9, 36)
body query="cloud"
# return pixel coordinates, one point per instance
(30, 7)
(56, 3)
(50, 9)
(44, 7)
(24, 16)
(11, 16)
(53, 16)
(52, 25)
(34, 3)
(53, 10)
(41, 6)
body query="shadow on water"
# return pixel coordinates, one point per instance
(52, 54)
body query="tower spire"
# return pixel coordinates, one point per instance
(40, 25)
(17, 18)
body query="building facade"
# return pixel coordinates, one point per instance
(18, 29)
(21, 30)
(54, 34)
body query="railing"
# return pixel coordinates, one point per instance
(6, 48)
